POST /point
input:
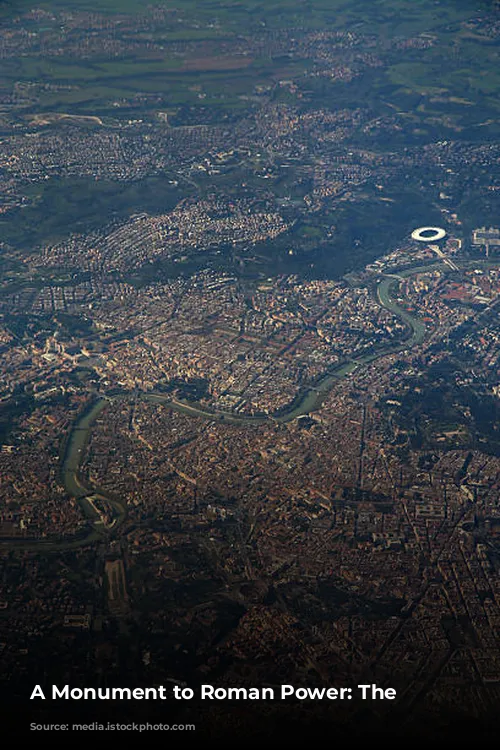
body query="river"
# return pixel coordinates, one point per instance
(307, 402)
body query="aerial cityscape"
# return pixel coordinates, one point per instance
(250, 363)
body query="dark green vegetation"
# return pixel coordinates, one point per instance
(438, 411)
(11, 410)
(408, 74)
(81, 204)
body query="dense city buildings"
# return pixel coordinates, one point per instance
(249, 412)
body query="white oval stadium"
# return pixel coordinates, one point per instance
(428, 234)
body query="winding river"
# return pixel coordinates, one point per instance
(307, 402)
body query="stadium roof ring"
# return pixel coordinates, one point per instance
(428, 234)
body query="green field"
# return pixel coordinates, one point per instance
(100, 80)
